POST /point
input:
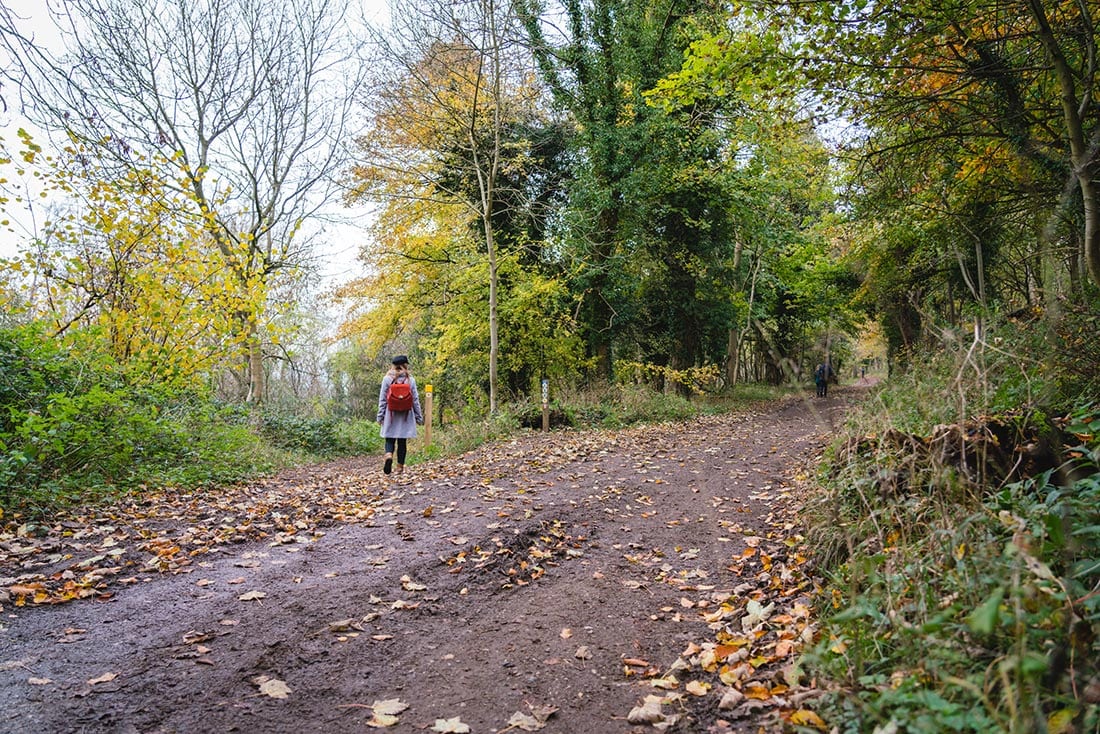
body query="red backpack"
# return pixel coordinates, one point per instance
(399, 397)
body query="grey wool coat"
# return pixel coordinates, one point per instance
(398, 424)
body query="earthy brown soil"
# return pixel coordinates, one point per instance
(550, 582)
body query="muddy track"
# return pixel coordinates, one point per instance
(550, 582)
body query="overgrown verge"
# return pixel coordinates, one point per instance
(75, 429)
(960, 533)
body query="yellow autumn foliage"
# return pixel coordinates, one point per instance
(130, 255)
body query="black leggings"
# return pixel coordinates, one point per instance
(402, 448)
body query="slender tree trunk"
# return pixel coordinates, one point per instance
(1082, 154)
(494, 337)
(487, 171)
(733, 356)
(602, 316)
(256, 386)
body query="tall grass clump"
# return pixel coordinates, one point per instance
(959, 530)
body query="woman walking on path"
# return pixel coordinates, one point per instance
(398, 412)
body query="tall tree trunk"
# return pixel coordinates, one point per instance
(601, 314)
(256, 385)
(733, 355)
(1084, 154)
(494, 328)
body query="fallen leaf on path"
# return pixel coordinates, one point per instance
(731, 699)
(252, 596)
(525, 722)
(566, 633)
(805, 717)
(385, 713)
(391, 706)
(583, 653)
(757, 691)
(542, 712)
(648, 713)
(409, 585)
(757, 614)
(667, 683)
(272, 687)
(105, 678)
(451, 726)
(39, 681)
(697, 688)
(382, 721)
(344, 625)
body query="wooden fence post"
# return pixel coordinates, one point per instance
(427, 415)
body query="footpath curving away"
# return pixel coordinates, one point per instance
(642, 580)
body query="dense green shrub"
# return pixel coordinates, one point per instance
(321, 436)
(626, 405)
(72, 429)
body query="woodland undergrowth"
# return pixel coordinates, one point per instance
(76, 429)
(959, 530)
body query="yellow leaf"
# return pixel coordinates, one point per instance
(1061, 722)
(668, 683)
(389, 706)
(758, 691)
(381, 721)
(805, 717)
(733, 676)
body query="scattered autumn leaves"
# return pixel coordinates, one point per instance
(87, 553)
(749, 663)
(754, 614)
(387, 713)
(84, 555)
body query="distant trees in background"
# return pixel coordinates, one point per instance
(587, 192)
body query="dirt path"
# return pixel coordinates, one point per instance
(550, 582)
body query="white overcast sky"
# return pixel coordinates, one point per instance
(338, 256)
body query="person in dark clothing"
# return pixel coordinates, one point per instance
(821, 379)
